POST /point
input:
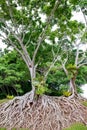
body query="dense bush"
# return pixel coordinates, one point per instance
(13, 75)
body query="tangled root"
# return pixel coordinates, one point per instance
(46, 113)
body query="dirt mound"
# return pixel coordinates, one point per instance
(46, 113)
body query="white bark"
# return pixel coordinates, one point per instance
(77, 55)
(71, 87)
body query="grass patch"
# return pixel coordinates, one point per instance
(2, 128)
(84, 103)
(3, 101)
(77, 126)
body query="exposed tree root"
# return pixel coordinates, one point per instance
(46, 113)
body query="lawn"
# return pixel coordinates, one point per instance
(77, 126)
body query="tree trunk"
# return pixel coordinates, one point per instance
(73, 89)
(32, 69)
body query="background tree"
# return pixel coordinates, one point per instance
(72, 59)
(13, 75)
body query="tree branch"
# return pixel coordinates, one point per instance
(84, 17)
(83, 58)
(63, 65)
(42, 35)
(9, 30)
(82, 64)
(52, 65)
(77, 55)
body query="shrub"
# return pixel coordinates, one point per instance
(66, 93)
(10, 96)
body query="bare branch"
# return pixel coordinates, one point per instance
(64, 64)
(84, 18)
(82, 64)
(9, 30)
(12, 44)
(82, 59)
(77, 55)
(51, 66)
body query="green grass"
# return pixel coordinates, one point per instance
(2, 128)
(76, 126)
(84, 103)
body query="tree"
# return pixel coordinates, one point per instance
(21, 27)
(13, 74)
(72, 59)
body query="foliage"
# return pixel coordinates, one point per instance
(71, 67)
(40, 85)
(12, 74)
(81, 78)
(77, 126)
(10, 96)
(57, 81)
(14, 68)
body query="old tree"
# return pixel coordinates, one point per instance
(27, 26)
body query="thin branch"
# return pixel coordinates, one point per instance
(24, 56)
(77, 55)
(51, 66)
(64, 64)
(11, 15)
(82, 64)
(12, 44)
(56, 58)
(83, 58)
(84, 17)
(26, 45)
(77, 52)
(19, 42)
